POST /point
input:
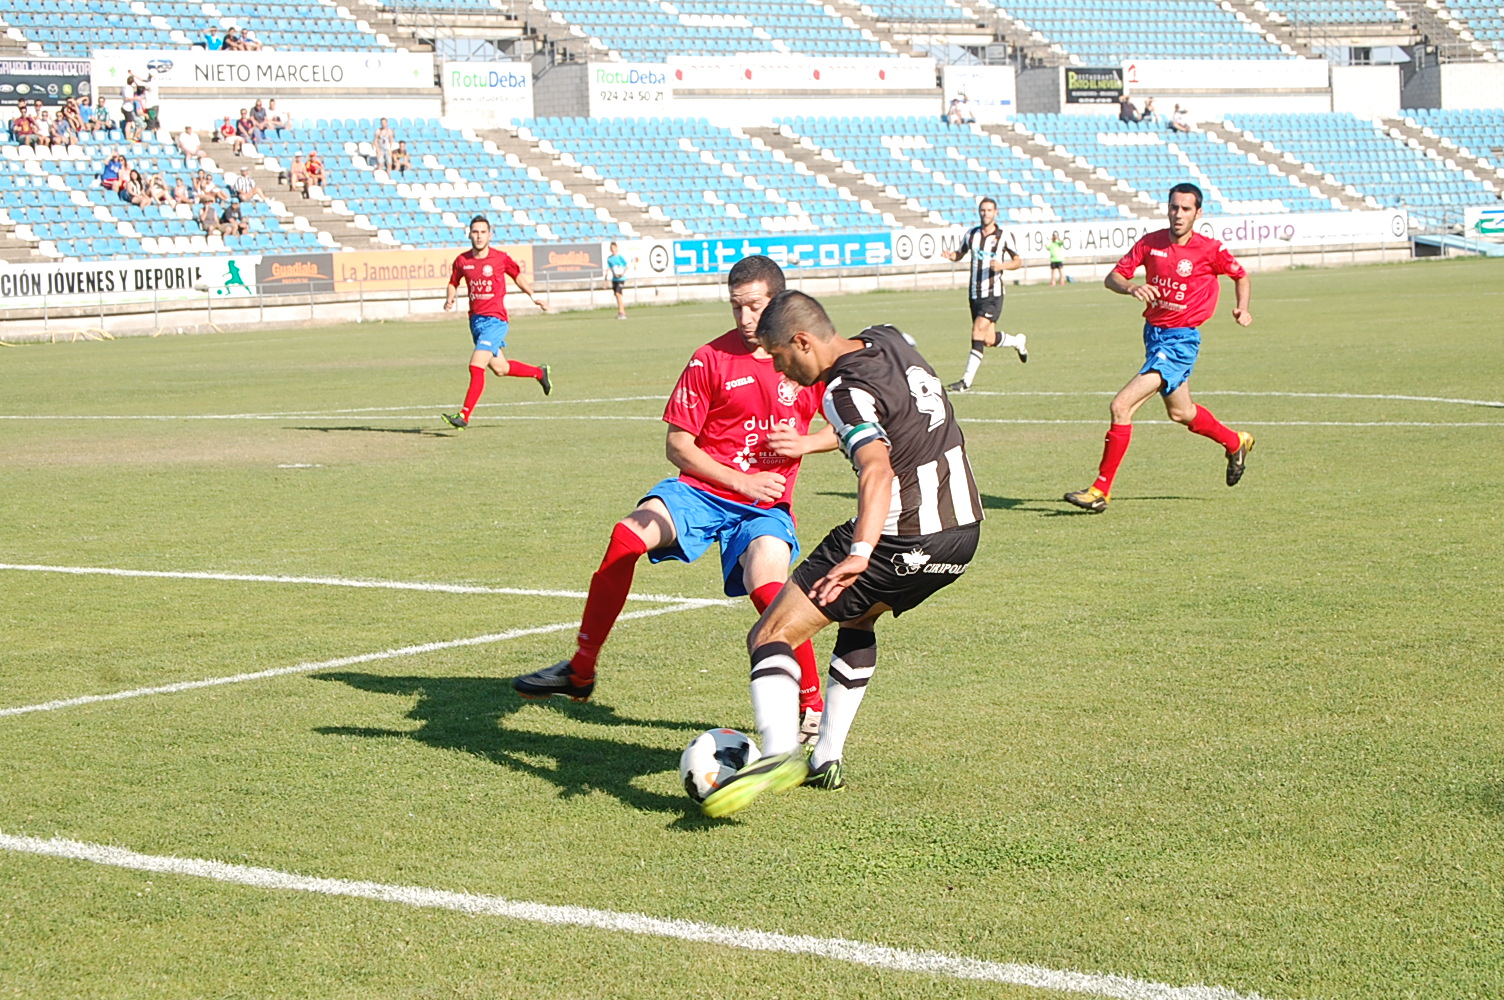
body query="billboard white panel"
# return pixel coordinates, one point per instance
(991, 91)
(1152, 76)
(263, 72)
(762, 73)
(629, 90)
(486, 94)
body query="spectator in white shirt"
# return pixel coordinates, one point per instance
(188, 144)
(246, 188)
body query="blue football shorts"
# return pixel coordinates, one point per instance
(489, 333)
(701, 518)
(1171, 351)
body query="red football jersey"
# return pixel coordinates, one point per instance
(729, 400)
(1186, 276)
(486, 279)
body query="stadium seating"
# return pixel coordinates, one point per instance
(703, 179)
(1335, 12)
(1106, 32)
(1478, 131)
(1485, 18)
(925, 11)
(1361, 155)
(169, 24)
(455, 176)
(649, 31)
(942, 171)
(1151, 160)
(58, 202)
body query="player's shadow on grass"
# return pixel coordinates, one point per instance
(468, 714)
(419, 431)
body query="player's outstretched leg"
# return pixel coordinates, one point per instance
(810, 702)
(1018, 341)
(1094, 498)
(774, 773)
(1237, 461)
(852, 664)
(558, 679)
(461, 420)
(518, 369)
(973, 363)
(1237, 444)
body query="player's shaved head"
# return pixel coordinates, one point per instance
(756, 268)
(793, 312)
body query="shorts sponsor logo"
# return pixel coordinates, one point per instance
(788, 392)
(744, 380)
(952, 569)
(910, 562)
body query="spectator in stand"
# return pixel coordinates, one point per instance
(1149, 116)
(232, 40)
(205, 190)
(134, 190)
(180, 193)
(59, 132)
(85, 107)
(151, 101)
(102, 120)
(401, 162)
(212, 40)
(246, 188)
(156, 190)
(297, 175)
(208, 218)
(258, 115)
(24, 129)
(384, 141)
(248, 41)
(190, 146)
(22, 107)
(225, 132)
(113, 176)
(245, 131)
(1126, 111)
(1180, 121)
(316, 172)
(275, 119)
(75, 117)
(230, 221)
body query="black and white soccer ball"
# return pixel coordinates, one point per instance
(712, 757)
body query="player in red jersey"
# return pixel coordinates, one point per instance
(485, 272)
(736, 430)
(1180, 293)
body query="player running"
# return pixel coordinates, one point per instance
(485, 272)
(1181, 267)
(736, 430)
(916, 529)
(991, 255)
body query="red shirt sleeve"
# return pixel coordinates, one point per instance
(510, 266)
(454, 274)
(1223, 262)
(689, 404)
(1133, 258)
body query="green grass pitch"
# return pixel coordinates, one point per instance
(1251, 738)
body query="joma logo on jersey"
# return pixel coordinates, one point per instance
(744, 380)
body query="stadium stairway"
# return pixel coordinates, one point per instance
(1285, 163)
(1416, 136)
(1054, 157)
(831, 169)
(16, 250)
(1275, 31)
(553, 168)
(1442, 31)
(861, 16)
(315, 211)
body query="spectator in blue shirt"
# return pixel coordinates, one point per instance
(616, 272)
(212, 41)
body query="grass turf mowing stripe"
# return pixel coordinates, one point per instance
(839, 949)
(335, 581)
(343, 661)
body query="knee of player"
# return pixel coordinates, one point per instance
(1183, 415)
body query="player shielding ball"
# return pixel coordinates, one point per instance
(918, 520)
(736, 430)
(991, 255)
(485, 273)
(1179, 294)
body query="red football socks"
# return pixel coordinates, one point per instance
(517, 369)
(472, 395)
(809, 672)
(1209, 426)
(1113, 450)
(608, 595)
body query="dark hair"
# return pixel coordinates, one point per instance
(756, 268)
(987, 201)
(481, 218)
(790, 312)
(1186, 188)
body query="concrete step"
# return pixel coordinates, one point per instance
(575, 182)
(316, 212)
(1275, 157)
(1488, 168)
(1038, 148)
(18, 251)
(1277, 31)
(832, 171)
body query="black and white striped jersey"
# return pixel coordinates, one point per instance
(984, 249)
(888, 392)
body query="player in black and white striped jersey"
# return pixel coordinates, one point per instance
(916, 530)
(991, 255)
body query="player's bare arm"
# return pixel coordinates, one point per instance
(784, 440)
(1145, 293)
(759, 487)
(526, 288)
(449, 298)
(1244, 288)
(874, 493)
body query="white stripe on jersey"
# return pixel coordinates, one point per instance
(985, 283)
(928, 476)
(959, 476)
(864, 402)
(895, 507)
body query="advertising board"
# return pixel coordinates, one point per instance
(487, 93)
(265, 72)
(629, 90)
(161, 279)
(49, 81)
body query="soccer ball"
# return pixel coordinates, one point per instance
(712, 757)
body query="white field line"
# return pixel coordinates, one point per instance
(931, 963)
(431, 414)
(334, 581)
(1294, 395)
(343, 661)
(1253, 423)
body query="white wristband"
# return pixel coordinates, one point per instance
(863, 549)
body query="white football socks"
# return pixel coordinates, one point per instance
(775, 697)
